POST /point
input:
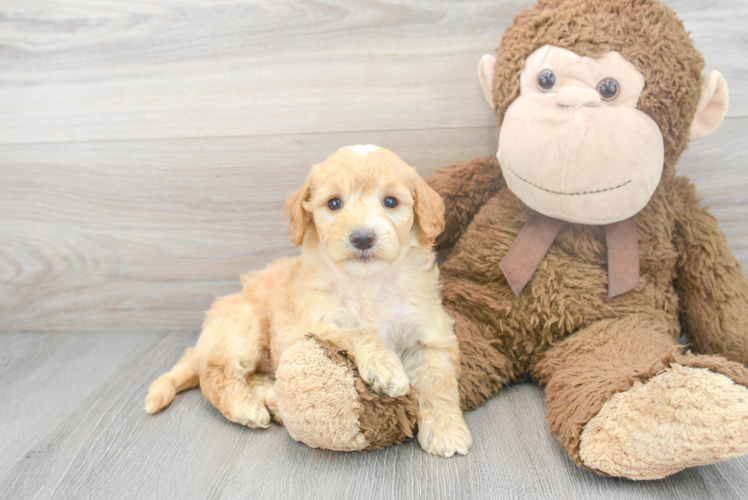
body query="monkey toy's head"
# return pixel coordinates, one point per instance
(594, 99)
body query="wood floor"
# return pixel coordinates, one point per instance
(146, 150)
(73, 427)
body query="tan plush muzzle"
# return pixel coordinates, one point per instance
(571, 155)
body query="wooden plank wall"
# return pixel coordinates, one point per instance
(146, 147)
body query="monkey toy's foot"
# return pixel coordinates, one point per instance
(325, 403)
(680, 418)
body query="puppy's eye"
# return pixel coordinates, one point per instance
(608, 88)
(546, 80)
(390, 202)
(334, 204)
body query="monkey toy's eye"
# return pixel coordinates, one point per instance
(390, 202)
(334, 204)
(546, 80)
(608, 89)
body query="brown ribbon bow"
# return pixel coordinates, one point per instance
(538, 234)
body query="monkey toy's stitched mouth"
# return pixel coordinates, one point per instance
(567, 194)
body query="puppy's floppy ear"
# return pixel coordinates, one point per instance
(429, 212)
(298, 217)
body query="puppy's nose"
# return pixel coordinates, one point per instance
(363, 238)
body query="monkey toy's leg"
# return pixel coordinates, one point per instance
(483, 368)
(712, 288)
(625, 400)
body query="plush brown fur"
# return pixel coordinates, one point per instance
(610, 356)
(562, 330)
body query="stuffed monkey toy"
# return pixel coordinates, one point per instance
(576, 259)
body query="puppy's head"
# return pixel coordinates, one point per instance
(367, 207)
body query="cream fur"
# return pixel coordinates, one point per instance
(680, 418)
(380, 304)
(363, 149)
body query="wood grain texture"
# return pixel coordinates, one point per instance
(137, 235)
(113, 70)
(127, 235)
(107, 225)
(146, 148)
(73, 427)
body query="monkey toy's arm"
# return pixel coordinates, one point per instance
(711, 286)
(465, 187)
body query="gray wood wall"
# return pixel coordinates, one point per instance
(146, 147)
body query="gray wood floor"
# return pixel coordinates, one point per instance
(146, 149)
(73, 427)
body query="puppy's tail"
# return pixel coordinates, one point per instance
(182, 377)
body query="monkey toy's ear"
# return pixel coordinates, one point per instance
(485, 77)
(712, 105)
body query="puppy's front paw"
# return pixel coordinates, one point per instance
(271, 403)
(444, 435)
(384, 372)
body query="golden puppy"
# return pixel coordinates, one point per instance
(366, 281)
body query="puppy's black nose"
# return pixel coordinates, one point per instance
(363, 238)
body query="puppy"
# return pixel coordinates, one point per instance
(366, 281)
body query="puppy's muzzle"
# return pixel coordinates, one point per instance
(363, 239)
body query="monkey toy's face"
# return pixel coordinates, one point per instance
(573, 145)
(580, 137)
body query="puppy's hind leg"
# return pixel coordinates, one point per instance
(234, 398)
(182, 377)
(230, 349)
(264, 387)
